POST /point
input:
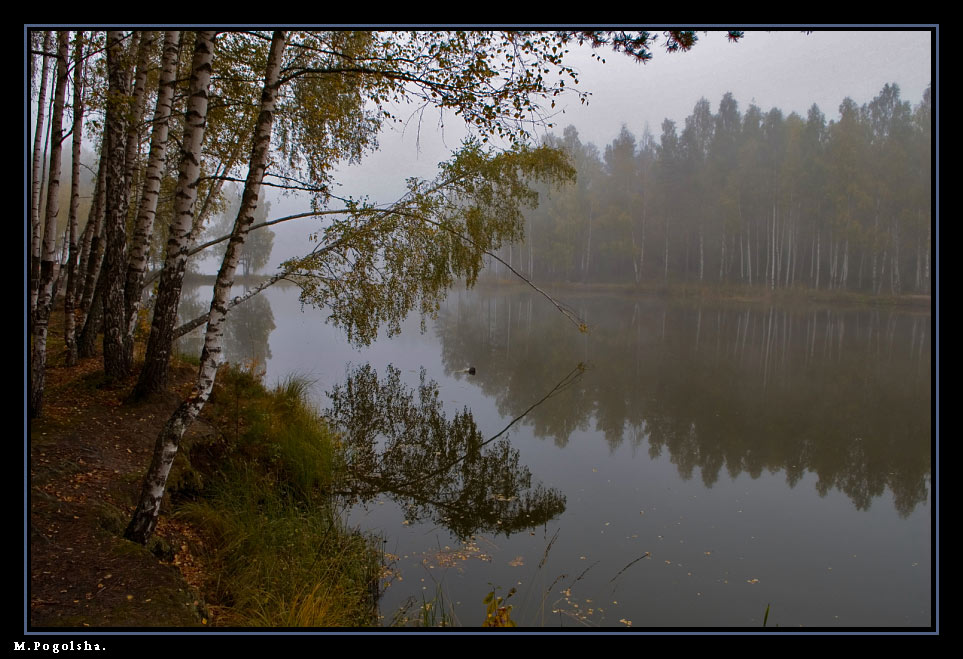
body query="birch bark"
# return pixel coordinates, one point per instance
(36, 182)
(153, 376)
(41, 319)
(70, 337)
(140, 244)
(117, 361)
(144, 519)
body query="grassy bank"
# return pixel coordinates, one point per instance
(277, 553)
(247, 535)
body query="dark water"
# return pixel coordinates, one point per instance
(683, 464)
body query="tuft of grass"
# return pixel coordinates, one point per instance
(435, 612)
(278, 553)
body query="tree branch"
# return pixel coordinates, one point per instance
(568, 313)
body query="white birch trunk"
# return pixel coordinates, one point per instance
(147, 209)
(139, 102)
(38, 362)
(36, 184)
(145, 517)
(70, 294)
(153, 376)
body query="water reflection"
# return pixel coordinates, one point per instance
(841, 393)
(246, 332)
(399, 442)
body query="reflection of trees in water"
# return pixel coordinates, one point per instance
(844, 394)
(246, 332)
(399, 442)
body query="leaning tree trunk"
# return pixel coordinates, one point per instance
(38, 361)
(145, 516)
(153, 377)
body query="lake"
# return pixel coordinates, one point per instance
(682, 464)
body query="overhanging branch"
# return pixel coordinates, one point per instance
(565, 311)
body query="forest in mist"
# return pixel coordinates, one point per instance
(746, 197)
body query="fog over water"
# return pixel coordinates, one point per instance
(785, 69)
(696, 463)
(693, 382)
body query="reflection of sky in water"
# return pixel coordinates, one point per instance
(817, 561)
(717, 556)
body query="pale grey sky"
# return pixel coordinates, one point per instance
(785, 68)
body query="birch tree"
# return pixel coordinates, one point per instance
(41, 318)
(144, 520)
(147, 209)
(372, 265)
(35, 224)
(154, 374)
(117, 363)
(320, 85)
(70, 340)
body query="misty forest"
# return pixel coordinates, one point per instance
(755, 198)
(281, 373)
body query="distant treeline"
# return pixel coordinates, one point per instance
(755, 198)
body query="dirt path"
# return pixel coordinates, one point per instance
(87, 455)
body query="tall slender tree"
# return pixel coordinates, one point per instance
(153, 377)
(117, 360)
(147, 209)
(35, 192)
(49, 255)
(70, 292)
(145, 516)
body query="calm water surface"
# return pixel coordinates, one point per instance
(695, 464)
